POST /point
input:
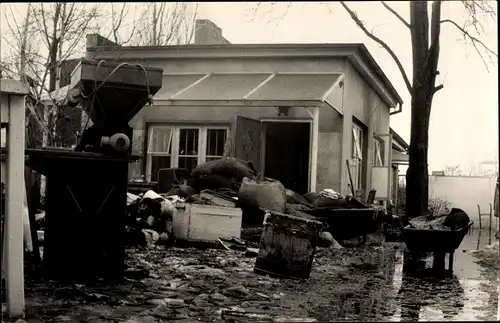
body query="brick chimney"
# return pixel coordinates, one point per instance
(208, 33)
(96, 40)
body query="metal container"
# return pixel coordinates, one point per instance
(85, 205)
(287, 246)
(86, 194)
(431, 240)
(345, 224)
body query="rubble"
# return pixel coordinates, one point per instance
(325, 239)
(456, 219)
(229, 182)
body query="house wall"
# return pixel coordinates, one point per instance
(355, 98)
(363, 103)
(330, 125)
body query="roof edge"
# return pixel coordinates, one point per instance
(249, 50)
(399, 139)
(378, 70)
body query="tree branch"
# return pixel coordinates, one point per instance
(437, 88)
(475, 42)
(396, 14)
(382, 43)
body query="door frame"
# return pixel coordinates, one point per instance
(263, 146)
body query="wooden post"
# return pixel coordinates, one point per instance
(314, 148)
(12, 97)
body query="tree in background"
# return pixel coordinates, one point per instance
(50, 34)
(453, 170)
(425, 33)
(151, 24)
(425, 36)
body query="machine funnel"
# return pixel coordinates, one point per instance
(115, 92)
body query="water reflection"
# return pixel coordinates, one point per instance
(425, 290)
(370, 296)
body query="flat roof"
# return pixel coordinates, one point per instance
(251, 50)
(399, 140)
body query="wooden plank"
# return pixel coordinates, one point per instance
(314, 149)
(14, 255)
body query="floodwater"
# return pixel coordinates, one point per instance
(470, 295)
(365, 283)
(391, 295)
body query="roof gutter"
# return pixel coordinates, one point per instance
(399, 109)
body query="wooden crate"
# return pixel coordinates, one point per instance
(207, 223)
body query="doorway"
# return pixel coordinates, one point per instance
(287, 152)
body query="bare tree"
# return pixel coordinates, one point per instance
(425, 35)
(453, 170)
(50, 34)
(423, 86)
(164, 23)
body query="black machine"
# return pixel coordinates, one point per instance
(86, 191)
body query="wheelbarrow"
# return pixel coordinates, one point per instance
(439, 242)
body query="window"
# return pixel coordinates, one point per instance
(216, 140)
(357, 156)
(3, 137)
(188, 148)
(159, 150)
(172, 146)
(378, 152)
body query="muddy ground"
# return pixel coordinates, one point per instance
(349, 284)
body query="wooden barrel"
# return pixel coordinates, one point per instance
(287, 246)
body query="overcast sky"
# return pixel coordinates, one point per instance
(464, 120)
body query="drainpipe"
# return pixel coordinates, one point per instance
(399, 109)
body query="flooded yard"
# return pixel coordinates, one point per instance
(351, 284)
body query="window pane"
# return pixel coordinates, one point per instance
(3, 137)
(357, 142)
(160, 140)
(212, 158)
(188, 142)
(157, 163)
(188, 162)
(216, 138)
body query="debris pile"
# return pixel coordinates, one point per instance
(455, 220)
(149, 218)
(233, 183)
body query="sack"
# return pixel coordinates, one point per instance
(228, 166)
(215, 182)
(456, 219)
(265, 194)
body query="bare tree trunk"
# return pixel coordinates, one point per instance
(155, 23)
(425, 59)
(53, 50)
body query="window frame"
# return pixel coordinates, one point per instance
(378, 152)
(357, 155)
(174, 148)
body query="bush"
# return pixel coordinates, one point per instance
(437, 205)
